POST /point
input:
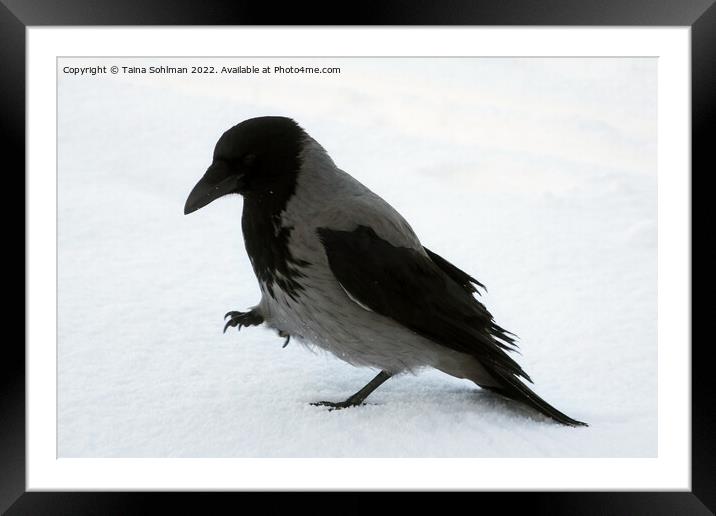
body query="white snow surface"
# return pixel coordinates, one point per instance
(537, 176)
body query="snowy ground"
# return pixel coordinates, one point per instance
(538, 176)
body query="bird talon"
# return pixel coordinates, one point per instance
(336, 405)
(282, 333)
(240, 319)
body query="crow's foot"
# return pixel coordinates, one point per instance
(358, 397)
(239, 319)
(337, 405)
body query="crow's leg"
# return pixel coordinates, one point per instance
(358, 397)
(239, 319)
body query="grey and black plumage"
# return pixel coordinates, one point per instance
(339, 268)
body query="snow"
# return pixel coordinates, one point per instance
(537, 176)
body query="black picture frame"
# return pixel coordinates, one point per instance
(17, 15)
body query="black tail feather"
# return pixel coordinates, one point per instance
(514, 389)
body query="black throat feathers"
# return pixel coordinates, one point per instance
(266, 240)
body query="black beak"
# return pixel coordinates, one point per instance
(217, 182)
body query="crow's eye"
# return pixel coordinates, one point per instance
(248, 160)
(241, 162)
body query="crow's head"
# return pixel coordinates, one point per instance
(259, 157)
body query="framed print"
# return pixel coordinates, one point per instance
(548, 160)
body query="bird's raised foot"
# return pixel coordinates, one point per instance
(239, 319)
(337, 405)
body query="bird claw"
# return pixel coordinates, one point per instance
(336, 405)
(239, 319)
(282, 333)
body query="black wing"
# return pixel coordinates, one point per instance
(412, 289)
(433, 298)
(468, 282)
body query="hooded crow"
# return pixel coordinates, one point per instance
(339, 268)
